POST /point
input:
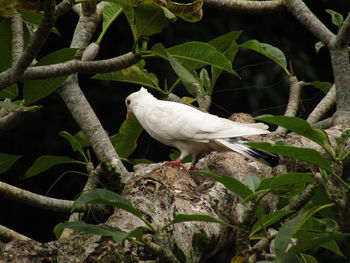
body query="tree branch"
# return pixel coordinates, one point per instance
(10, 121)
(323, 106)
(302, 13)
(8, 235)
(294, 99)
(17, 41)
(37, 41)
(247, 6)
(25, 197)
(343, 36)
(78, 105)
(63, 7)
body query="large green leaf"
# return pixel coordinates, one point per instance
(110, 13)
(271, 52)
(149, 20)
(230, 183)
(5, 58)
(308, 155)
(192, 85)
(298, 126)
(133, 74)
(107, 197)
(194, 54)
(38, 89)
(285, 179)
(310, 240)
(268, 220)
(290, 228)
(125, 141)
(7, 160)
(228, 46)
(115, 233)
(45, 162)
(179, 218)
(324, 86)
(74, 142)
(252, 182)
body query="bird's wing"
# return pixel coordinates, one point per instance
(174, 121)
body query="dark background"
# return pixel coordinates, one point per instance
(262, 89)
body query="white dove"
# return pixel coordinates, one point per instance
(192, 131)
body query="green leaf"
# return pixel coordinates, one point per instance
(191, 84)
(228, 46)
(38, 89)
(179, 218)
(290, 228)
(111, 11)
(45, 162)
(34, 18)
(308, 155)
(341, 143)
(310, 240)
(149, 20)
(193, 55)
(298, 126)
(81, 137)
(319, 45)
(107, 197)
(271, 52)
(268, 220)
(133, 74)
(285, 179)
(17, 106)
(101, 230)
(324, 86)
(308, 258)
(230, 183)
(125, 141)
(252, 182)
(75, 144)
(205, 79)
(7, 160)
(337, 18)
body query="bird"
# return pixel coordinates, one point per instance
(192, 131)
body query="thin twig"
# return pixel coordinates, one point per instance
(303, 198)
(164, 254)
(323, 106)
(245, 217)
(294, 100)
(25, 197)
(8, 235)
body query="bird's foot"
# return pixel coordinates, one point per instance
(177, 163)
(193, 168)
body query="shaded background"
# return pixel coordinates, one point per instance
(262, 89)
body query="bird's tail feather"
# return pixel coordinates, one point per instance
(235, 144)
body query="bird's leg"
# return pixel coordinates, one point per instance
(195, 159)
(177, 162)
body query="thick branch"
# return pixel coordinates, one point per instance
(25, 197)
(247, 6)
(10, 121)
(78, 66)
(37, 41)
(7, 235)
(301, 12)
(323, 106)
(63, 7)
(17, 41)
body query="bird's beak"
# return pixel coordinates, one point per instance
(128, 114)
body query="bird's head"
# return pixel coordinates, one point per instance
(132, 100)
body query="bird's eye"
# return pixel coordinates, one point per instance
(127, 102)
